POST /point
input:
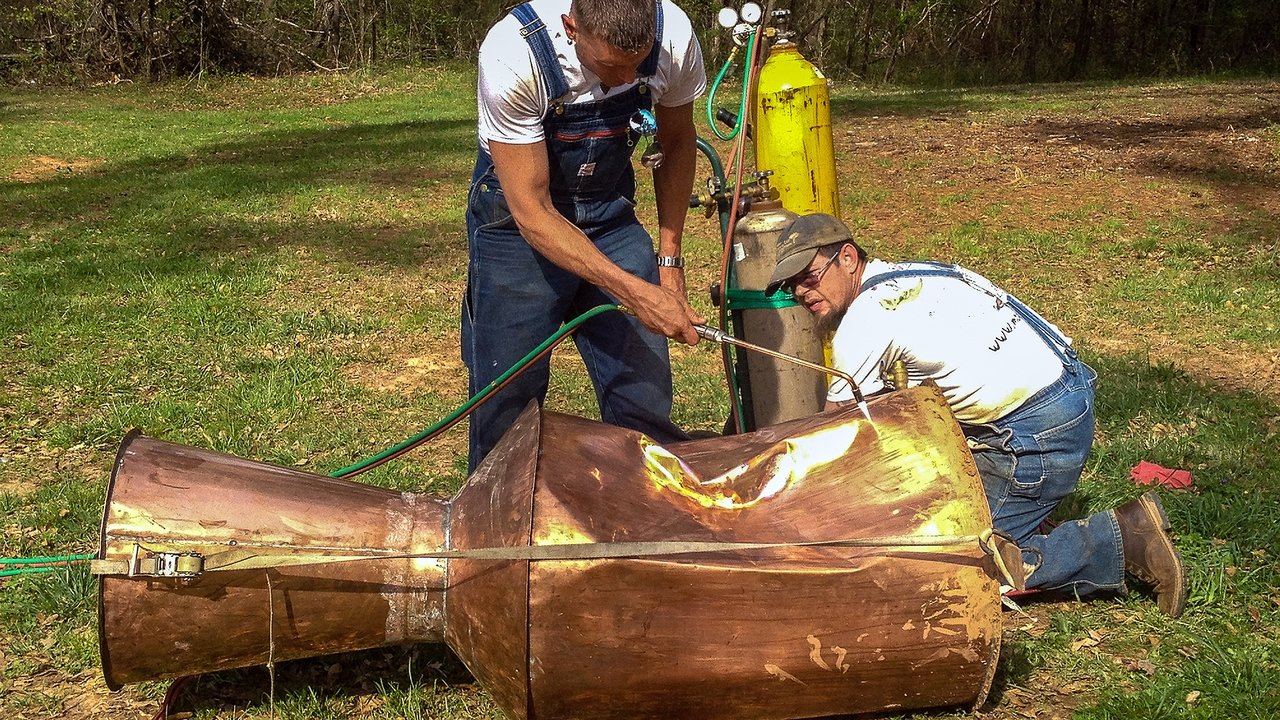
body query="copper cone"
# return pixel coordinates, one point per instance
(766, 632)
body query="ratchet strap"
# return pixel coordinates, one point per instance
(144, 562)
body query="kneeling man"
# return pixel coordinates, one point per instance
(1013, 380)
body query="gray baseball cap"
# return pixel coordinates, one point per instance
(800, 241)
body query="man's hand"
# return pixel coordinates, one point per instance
(663, 311)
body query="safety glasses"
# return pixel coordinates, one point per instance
(809, 279)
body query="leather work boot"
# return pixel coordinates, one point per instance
(1149, 554)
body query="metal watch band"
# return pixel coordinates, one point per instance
(675, 261)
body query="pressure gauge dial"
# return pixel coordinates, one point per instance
(751, 12)
(727, 18)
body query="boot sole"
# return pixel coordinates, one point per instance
(1155, 510)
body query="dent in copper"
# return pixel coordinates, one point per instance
(777, 633)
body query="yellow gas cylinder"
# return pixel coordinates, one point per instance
(793, 131)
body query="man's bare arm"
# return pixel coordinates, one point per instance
(672, 185)
(525, 178)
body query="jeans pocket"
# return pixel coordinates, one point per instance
(488, 207)
(468, 322)
(1052, 460)
(1028, 477)
(997, 469)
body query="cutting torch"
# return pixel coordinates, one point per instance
(717, 335)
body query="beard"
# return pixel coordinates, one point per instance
(827, 324)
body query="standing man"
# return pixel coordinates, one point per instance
(550, 214)
(1022, 396)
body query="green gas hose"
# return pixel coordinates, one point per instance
(452, 418)
(742, 104)
(32, 565)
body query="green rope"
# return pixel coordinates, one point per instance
(739, 299)
(38, 560)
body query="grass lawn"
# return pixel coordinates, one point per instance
(273, 268)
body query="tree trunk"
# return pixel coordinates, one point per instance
(1033, 43)
(1198, 25)
(867, 29)
(1084, 33)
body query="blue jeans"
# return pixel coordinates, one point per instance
(516, 298)
(1029, 461)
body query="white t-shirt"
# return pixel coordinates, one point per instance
(961, 333)
(513, 99)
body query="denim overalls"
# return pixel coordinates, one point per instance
(516, 298)
(1032, 458)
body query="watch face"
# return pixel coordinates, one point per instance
(727, 18)
(751, 12)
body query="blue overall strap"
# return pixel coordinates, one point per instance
(649, 67)
(534, 32)
(1053, 340)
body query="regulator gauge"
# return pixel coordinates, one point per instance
(727, 18)
(751, 12)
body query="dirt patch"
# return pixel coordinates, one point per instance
(81, 697)
(1035, 167)
(43, 167)
(408, 367)
(410, 373)
(1230, 368)
(19, 455)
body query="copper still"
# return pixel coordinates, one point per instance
(824, 566)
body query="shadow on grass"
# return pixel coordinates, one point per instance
(1193, 148)
(196, 203)
(944, 102)
(925, 101)
(1017, 664)
(11, 112)
(343, 677)
(1163, 415)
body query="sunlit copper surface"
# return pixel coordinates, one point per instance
(767, 633)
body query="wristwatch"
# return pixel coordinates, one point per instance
(675, 261)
